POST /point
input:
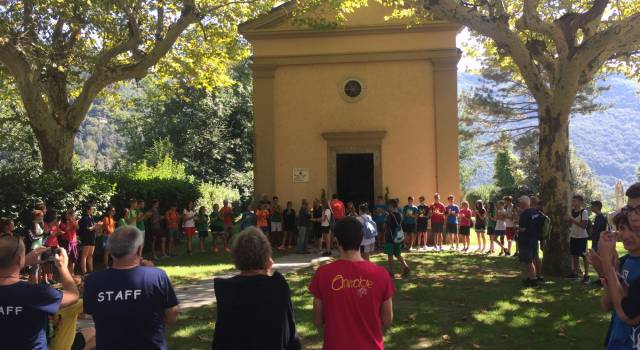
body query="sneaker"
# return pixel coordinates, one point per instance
(540, 279)
(515, 254)
(585, 279)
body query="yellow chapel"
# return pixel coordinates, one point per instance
(369, 105)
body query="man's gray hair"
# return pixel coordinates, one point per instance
(525, 199)
(125, 241)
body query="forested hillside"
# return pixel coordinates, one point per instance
(606, 141)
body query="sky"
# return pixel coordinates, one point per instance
(466, 63)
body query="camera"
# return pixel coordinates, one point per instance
(50, 254)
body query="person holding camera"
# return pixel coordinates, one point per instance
(24, 306)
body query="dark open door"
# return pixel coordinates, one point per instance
(355, 177)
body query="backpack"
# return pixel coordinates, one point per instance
(399, 234)
(546, 228)
(369, 228)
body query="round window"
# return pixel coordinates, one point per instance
(353, 88)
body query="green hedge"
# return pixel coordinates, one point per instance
(23, 187)
(166, 191)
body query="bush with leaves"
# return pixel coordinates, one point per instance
(485, 193)
(22, 187)
(211, 194)
(165, 181)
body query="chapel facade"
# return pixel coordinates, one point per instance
(354, 110)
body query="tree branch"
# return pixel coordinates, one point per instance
(621, 37)
(103, 75)
(530, 19)
(587, 21)
(500, 33)
(27, 83)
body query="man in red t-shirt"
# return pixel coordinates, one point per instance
(352, 297)
(337, 207)
(437, 222)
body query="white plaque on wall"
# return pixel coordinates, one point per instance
(300, 175)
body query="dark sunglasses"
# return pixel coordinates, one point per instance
(631, 209)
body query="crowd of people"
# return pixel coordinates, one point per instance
(132, 302)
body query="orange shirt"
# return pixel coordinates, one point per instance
(227, 215)
(172, 219)
(262, 216)
(108, 225)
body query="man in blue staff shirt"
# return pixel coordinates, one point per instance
(132, 302)
(25, 307)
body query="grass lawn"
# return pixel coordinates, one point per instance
(451, 301)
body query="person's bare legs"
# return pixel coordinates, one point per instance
(390, 264)
(327, 241)
(89, 335)
(586, 265)
(92, 249)
(575, 265)
(84, 252)
(405, 266)
(163, 246)
(201, 239)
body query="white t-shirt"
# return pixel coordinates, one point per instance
(508, 221)
(576, 231)
(190, 222)
(500, 223)
(365, 241)
(326, 218)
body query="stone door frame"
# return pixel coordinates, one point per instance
(353, 143)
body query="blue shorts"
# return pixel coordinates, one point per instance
(500, 232)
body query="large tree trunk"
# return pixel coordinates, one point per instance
(56, 148)
(555, 190)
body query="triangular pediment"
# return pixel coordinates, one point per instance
(375, 15)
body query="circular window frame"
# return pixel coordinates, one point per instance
(348, 98)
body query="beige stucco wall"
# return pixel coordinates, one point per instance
(398, 99)
(410, 93)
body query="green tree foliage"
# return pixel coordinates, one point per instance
(59, 55)
(506, 173)
(583, 180)
(209, 131)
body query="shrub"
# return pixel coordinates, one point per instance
(166, 191)
(211, 194)
(484, 192)
(22, 187)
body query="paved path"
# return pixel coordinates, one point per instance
(201, 293)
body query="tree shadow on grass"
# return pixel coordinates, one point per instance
(452, 301)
